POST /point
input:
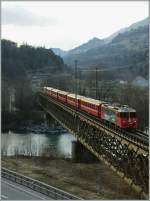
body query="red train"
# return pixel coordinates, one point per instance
(119, 115)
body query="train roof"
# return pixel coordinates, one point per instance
(55, 90)
(126, 109)
(119, 108)
(91, 100)
(74, 96)
(49, 88)
(63, 92)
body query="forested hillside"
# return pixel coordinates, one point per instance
(17, 62)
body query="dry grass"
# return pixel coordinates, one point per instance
(89, 181)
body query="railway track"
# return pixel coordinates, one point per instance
(141, 133)
(138, 137)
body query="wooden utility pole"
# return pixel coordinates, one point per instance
(96, 84)
(76, 82)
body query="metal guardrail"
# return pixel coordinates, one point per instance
(38, 186)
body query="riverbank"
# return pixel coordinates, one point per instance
(16, 120)
(88, 181)
(35, 123)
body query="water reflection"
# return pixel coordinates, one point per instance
(36, 144)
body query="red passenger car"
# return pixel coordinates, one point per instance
(62, 96)
(74, 100)
(47, 90)
(91, 106)
(54, 93)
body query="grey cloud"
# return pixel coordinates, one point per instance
(22, 17)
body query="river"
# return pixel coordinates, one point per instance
(36, 144)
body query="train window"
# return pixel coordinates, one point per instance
(132, 114)
(123, 114)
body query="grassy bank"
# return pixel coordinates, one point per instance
(89, 181)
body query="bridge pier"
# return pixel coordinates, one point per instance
(81, 154)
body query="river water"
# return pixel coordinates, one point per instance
(36, 144)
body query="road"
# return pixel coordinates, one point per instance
(13, 191)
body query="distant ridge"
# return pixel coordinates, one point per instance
(132, 26)
(96, 42)
(127, 48)
(59, 52)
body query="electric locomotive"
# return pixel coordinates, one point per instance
(122, 115)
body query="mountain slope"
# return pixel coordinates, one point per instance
(136, 25)
(96, 42)
(59, 52)
(127, 49)
(93, 43)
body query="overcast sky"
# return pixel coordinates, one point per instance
(67, 24)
